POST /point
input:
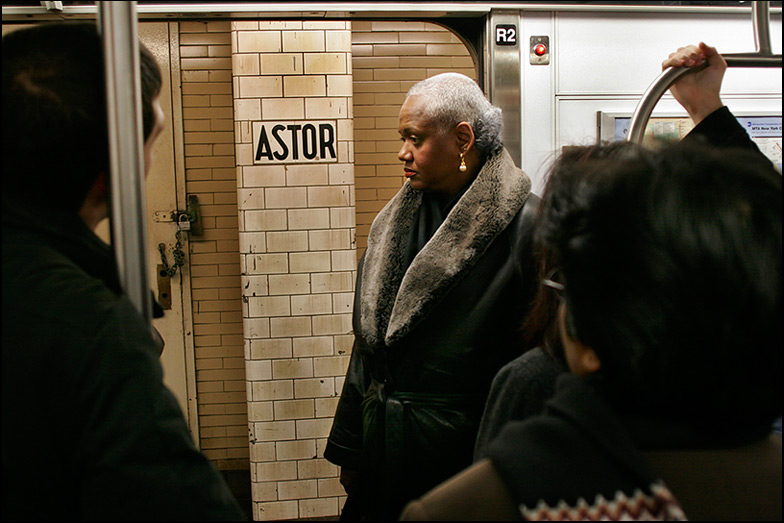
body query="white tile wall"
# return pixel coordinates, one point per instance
(296, 239)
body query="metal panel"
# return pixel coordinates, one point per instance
(504, 76)
(537, 105)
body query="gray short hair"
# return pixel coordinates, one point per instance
(452, 98)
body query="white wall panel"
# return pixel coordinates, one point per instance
(605, 61)
(538, 107)
(622, 53)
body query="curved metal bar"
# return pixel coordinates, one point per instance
(123, 88)
(760, 14)
(656, 90)
(650, 98)
(760, 18)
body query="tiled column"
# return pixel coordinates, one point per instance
(298, 254)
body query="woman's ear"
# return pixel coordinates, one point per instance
(465, 136)
(95, 206)
(590, 360)
(581, 359)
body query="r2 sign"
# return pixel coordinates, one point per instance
(506, 34)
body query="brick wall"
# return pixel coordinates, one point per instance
(388, 58)
(286, 267)
(210, 173)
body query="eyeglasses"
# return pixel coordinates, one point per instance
(560, 288)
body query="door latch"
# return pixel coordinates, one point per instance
(188, 220)
(166, 271)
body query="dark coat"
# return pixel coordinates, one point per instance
(89, 429)
(429, 339)
(581, 461)
(521, 387)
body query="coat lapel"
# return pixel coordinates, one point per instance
(393, 303)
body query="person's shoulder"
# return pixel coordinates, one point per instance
(477, 493)
(534, 368)
(518, 367)
(522, 225)
(529, 209)
(535, 358)
(47, 293)
(43, 278)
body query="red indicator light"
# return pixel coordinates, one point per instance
(540, 49)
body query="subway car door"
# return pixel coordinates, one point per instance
(165, 195)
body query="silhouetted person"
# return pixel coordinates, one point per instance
(90, 432)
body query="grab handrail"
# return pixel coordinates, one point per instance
(760, 14)
(117, 21)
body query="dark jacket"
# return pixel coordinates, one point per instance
(721, 129)
(430, 337)
(89, 429)
(581, 461)
(519, 391)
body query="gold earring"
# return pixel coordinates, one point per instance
(462, 163)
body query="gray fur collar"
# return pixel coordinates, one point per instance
(392, 303)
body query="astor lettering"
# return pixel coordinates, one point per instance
(295, 142)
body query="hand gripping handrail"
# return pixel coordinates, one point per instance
(760, 13)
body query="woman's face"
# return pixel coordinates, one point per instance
(432, 158)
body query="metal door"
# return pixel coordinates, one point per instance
(165, 192)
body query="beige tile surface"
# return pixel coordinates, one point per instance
(273, 276)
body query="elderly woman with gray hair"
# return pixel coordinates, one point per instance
(441, 293)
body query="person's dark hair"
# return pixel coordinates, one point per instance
(540, 327)
(672, 267)
(55, 133)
